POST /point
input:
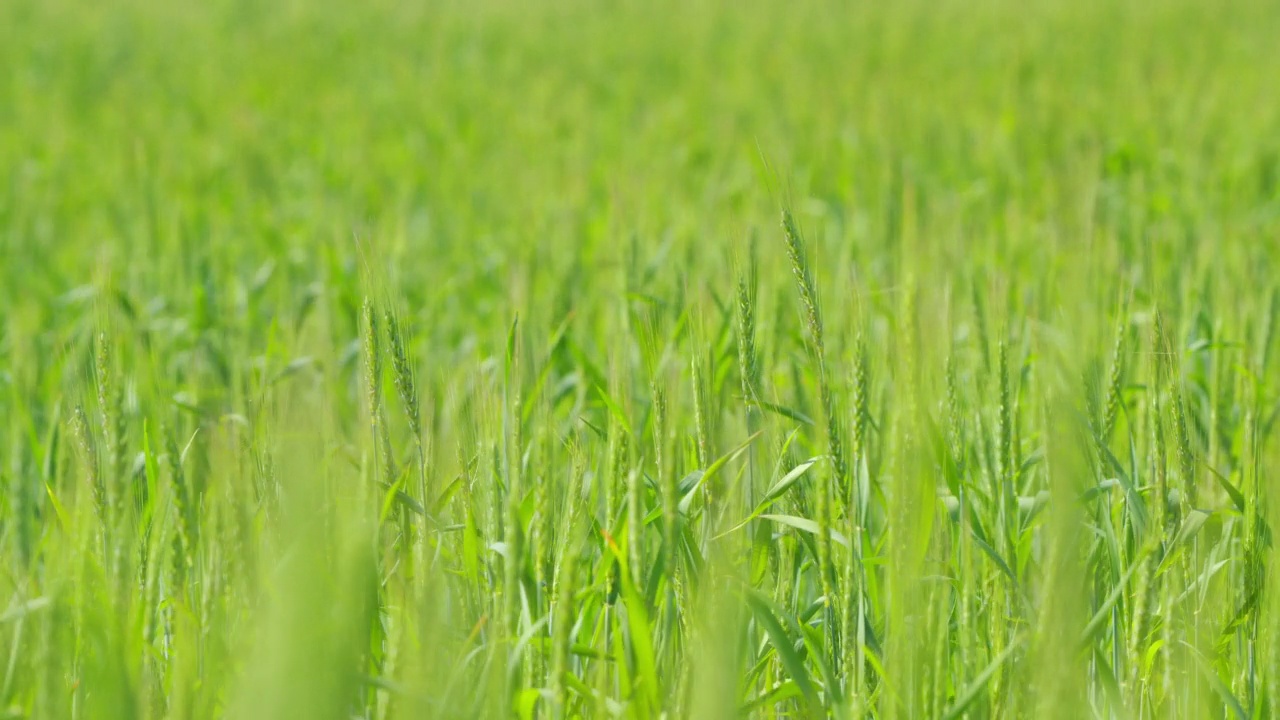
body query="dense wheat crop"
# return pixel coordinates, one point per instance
(498, 358)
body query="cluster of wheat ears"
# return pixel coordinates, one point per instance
(1006, 533)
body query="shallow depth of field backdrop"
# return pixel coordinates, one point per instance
(639, 359)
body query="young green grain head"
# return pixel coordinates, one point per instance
(89, 455)
(406, 384)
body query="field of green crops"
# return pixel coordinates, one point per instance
(703, 359)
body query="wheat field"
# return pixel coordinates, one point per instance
(500, 358)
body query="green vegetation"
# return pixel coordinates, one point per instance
(630, 359)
